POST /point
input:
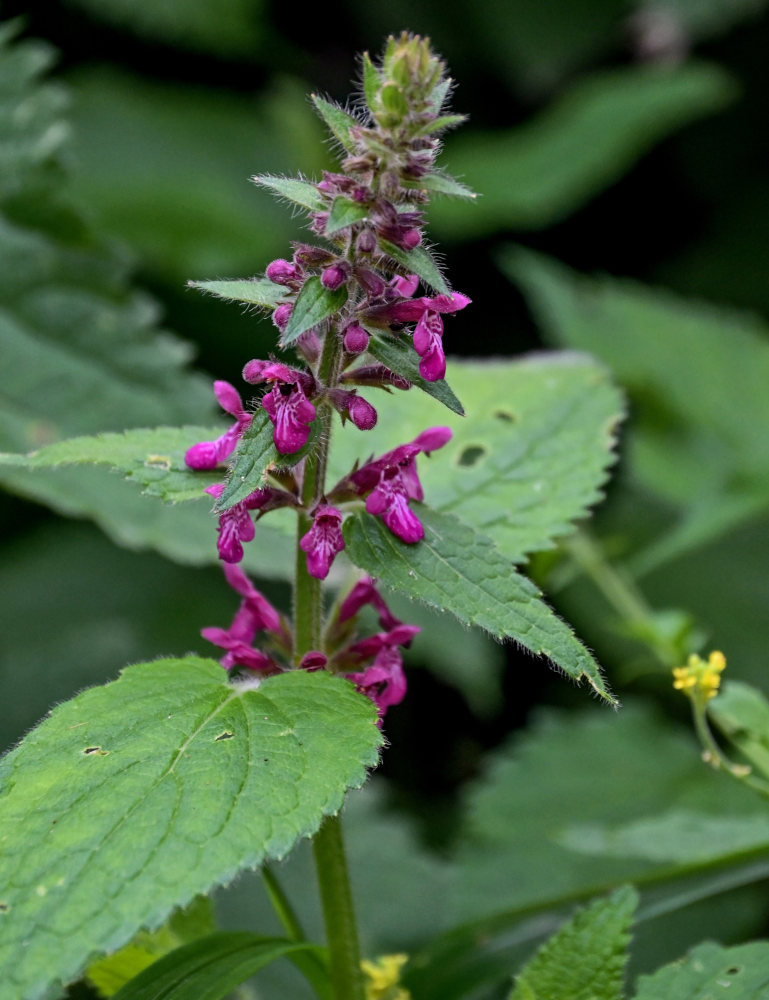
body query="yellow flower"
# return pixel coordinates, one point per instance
(700, 678)
(383, 977)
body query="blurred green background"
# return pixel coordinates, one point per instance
(623, 140)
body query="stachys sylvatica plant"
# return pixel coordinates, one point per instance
(357, 463)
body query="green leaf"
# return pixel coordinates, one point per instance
(441, 183)
(541, 172)
(301, 192)
(107, 975)
(371, 81)
(445, 121)
(679, 361)
(254, 292)
(344, 212)
(529, 457)
(154, 459)
(255, 456)
(419, 262)
(210, 968)
(393, 100)
(710, 971)
(741, 712)
(134, 797)
(314, 303)
(401, 358)
(456, 569)
(338, 121)
(586, 959)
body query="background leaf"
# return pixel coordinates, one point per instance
(709, 969)
(267, 763)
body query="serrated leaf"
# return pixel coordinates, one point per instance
(344, 212)
(710, 971)
(675, 357)
(529, 456)
(741, 712)
(419, 262)
(210, 968)
(371, 80)
(338, 121)
(538, 173)
(256, 454)
(134, 797)
(301, 192)
(401, 358)
(586, 959)
(314, 303)
(253, 292)
(456, 569)
(154, 459)
(441, 183)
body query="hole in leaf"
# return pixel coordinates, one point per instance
(4, 907)
(226, 735)
(471, 455)
(733, 970)
(89, 751)
(505, 415)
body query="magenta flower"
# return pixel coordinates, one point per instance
(365, 592)
(355, 339)
(282, 272)
(254, 614)
(384, 681)
(286, 403)
(209, 454)
(392, 480)
(323, 541)
(235, 524)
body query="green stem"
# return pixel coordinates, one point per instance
(283, 909)
(338, 912)
(718, 761)
(333, 880)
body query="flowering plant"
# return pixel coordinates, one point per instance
(134, 800)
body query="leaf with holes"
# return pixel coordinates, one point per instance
(132, 798)
(529, 457)
(709, 971)
(586, 958)
(456, 569)
(251, 292)
(400, 357)
(314, 303)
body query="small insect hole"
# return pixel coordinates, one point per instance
(471, 455)
(733, 970)
(226, 735)
(89, 751)
(4, 907)
(505, 415)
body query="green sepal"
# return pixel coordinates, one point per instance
(338, 121)
(255, 456)
(344, 212)
(371, 81)
(441, 183)
(439, 94)
(401, 358)
(585, 959)
(445, 121)
(251, 291)
(314, 303)
(393, 100)
(213, 966)
(457, 569)
(419, 262)
(301, 192)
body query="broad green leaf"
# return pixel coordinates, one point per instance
(586, 959)
(456, 569)
(344, 212)
(294, 189)
(540, 172)
(212, 967)
(154, 459)
(529, 457)
(681, 362)
(338, 121)
(710, 971)
(400, 357)
(107, 975)
(442, 183)
(134, 797)
(741, 712)
(314, 303)
(255, 456)
(419, 262)
(252, 292)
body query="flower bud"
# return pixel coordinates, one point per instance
(362, 413)
(366, 242)
(411, 239)
(282, 272)
(281, 316)
(355, 339)
(333, 277)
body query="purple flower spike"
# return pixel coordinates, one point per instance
(209, 454)
(323, 541)
(365, 592)
(291, 414)
(253, 599)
